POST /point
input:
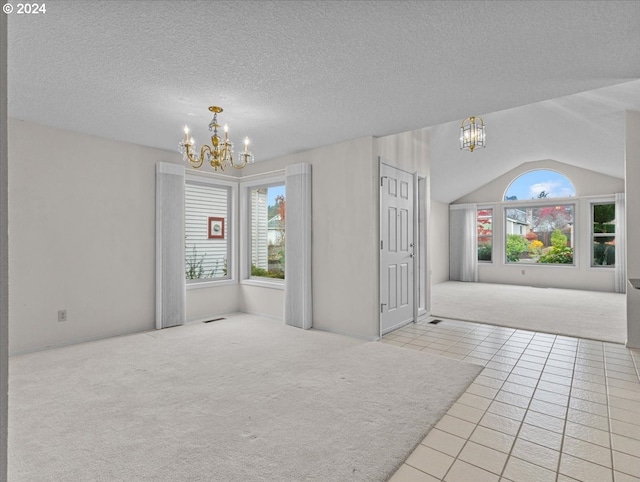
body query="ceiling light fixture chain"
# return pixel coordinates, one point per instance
(472, 133)
(220, 154)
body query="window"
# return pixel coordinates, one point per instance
(207, 231)
(485, 234)
(541, 234)
(603, 234)
(267, 231)
(539, 184)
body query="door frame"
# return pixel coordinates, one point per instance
(416, 240)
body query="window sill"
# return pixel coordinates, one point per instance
(264, 283)
(210, 284)
(541, 265)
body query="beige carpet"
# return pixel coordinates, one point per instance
(585, 314)
(243, 399)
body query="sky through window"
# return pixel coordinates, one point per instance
(540, 183)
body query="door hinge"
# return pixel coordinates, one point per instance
(381, 244)
(382, 180)
(382, 305)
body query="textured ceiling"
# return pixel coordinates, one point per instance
(298, 75)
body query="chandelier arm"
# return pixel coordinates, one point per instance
(203, 150)
(244, 162)
(195, 162)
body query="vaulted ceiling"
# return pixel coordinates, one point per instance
(299, 75)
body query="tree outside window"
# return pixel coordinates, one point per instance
(603, 234)
(540, 234)
(485, 234)
(268, 220)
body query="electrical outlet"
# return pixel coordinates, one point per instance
(62, 315)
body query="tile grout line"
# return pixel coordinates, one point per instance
(497, 334)
(608, 417)
(476, 425)
(566, 418)
(525, 414)
(467, 439)
(487, 410)
(515, 438)
(606, 387)
(510, 372)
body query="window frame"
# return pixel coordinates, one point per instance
(593, 235)
(492, 236)
(231, 229)
(531, 171)
(536, 203)
(246, 187)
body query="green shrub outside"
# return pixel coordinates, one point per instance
(516, 245)
(484, 252)
(256, 271)
(559, 252)
(557, 256)
(604, 254)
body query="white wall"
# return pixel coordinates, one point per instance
(345, 206)
(406, 150)
(211, 302)
(344, 239)
(581, 276)
(259, 300)
(439, 242)
(632, 167)
(586, 182)
(4, 253)
(82, 238)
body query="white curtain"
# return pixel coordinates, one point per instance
(170, 263)
(297, 295)
(621, 245)
(463, 242)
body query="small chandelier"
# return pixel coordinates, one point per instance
(472, 133)
(221, 154)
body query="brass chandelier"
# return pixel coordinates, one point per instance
(472, 133)
(220, 155)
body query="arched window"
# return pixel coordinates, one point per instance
(539, 184)
(539, 232)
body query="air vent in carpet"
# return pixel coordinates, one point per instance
(215, 319)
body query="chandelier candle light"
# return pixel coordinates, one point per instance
(472, 133)
(221, 154)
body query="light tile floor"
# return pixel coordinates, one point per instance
(545, 408)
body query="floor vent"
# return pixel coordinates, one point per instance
(215, 319)
(434, 322)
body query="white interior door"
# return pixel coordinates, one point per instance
(397, 248)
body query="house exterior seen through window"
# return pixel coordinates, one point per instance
(268, 218)
(540, 234)
(207, 232)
